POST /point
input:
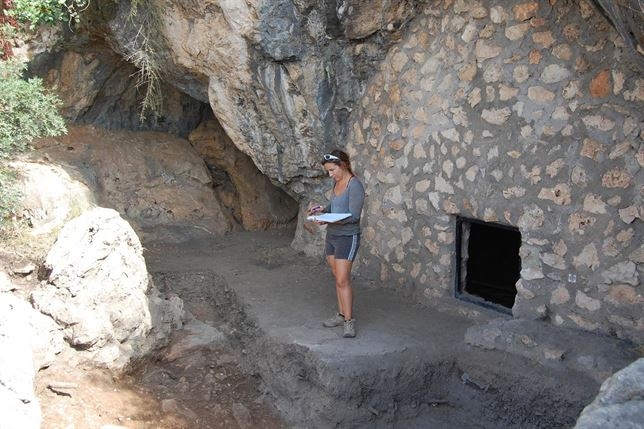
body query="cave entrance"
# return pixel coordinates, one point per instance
(488, 264)
(250, 198)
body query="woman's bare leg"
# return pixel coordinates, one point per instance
(331, 260)
(342, 272)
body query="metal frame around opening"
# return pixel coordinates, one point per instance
(458, 292)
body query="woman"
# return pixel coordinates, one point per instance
(342, 237)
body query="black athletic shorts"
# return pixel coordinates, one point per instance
(342, 246)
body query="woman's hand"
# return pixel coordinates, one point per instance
(313, 210)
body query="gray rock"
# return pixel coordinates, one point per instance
(620, 402)
(40, 332)
(97, 291)
(281, 30)
(50, 196)
(552, 346)
(19, 406)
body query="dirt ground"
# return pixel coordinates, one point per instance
(196, 387)
(204, 389)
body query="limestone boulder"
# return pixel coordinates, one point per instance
(18, 402)
(620, 402)
(51, 195)
(29, 341)
(98, 290)
(40, 332)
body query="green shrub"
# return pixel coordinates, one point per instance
(27, 111)
(34, 13)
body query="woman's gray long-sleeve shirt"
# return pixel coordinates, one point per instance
(349, 201)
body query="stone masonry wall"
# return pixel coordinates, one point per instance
(524, 114)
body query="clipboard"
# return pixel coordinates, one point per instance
(329, 217)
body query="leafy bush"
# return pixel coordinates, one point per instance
(34, 13)
(27, 111)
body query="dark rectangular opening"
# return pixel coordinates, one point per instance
(488, 264)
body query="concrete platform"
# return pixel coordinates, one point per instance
(410, 366)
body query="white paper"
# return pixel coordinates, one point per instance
(329, 217)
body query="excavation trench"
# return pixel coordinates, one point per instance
(410, 366)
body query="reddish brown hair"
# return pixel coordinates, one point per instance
(343, 160)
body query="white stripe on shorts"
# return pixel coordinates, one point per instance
(352, 252)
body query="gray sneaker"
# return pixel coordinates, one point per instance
(336, 320)
(349, 328)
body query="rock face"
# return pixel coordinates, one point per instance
(256, 203)
(98, 290)
(98, 86)
(152, 179)
(281, 77)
